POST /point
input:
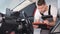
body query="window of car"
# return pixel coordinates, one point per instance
(11, 4)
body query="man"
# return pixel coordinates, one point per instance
(42, 8)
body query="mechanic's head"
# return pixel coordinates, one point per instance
(41, 4)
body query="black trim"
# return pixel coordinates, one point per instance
(49, 10)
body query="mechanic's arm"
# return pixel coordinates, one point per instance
(36, 23)
(53, 22)
(36, 20)
(54, 14)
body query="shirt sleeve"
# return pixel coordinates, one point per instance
(36, 16)
(53, 11)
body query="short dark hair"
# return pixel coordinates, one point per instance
(41, 2)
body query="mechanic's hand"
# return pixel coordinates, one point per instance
(46, 22)
(35, 26)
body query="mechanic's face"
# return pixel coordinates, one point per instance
(42, 8)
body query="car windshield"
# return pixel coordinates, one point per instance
(11, 4)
